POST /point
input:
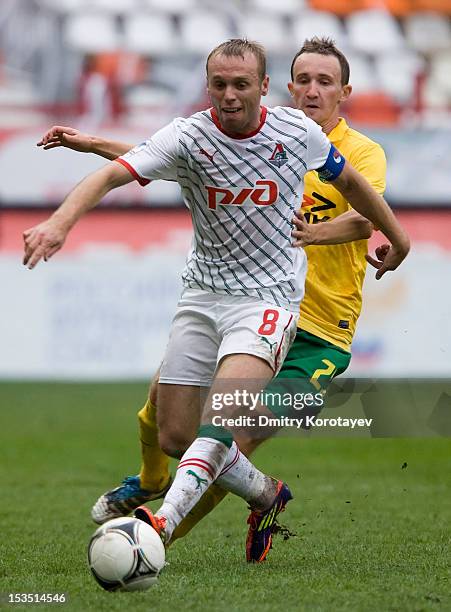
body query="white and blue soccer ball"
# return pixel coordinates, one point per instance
(126, 554)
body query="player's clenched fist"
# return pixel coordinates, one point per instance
(42, 241)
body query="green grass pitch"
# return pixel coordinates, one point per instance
(370, 534)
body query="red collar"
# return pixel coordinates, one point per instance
(215, 118)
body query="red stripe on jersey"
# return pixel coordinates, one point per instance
(142, 181)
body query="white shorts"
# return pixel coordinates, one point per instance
(208, 326)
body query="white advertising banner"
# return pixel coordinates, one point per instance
(99, 314)
(405, 325)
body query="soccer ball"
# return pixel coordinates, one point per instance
(126, 554)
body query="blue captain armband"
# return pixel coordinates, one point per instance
(332, 168)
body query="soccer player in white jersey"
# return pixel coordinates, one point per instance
(241, 168)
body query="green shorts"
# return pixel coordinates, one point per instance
(309, 367)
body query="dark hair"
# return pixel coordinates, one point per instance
(237, 47)
(324, 46)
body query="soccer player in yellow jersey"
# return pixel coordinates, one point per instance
(333, 291)
(333, 297)
(333, 287)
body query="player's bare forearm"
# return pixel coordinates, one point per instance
(88, 193)
(347, 227)
(110, 149)
(365, 200)
(45, 239)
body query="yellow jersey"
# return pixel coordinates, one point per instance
(333, 287)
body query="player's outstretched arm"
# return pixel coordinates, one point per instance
(365, 200)
(70, 138)
(45, 239)
(345, 228)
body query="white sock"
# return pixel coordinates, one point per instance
(198, 468)
(241, 477)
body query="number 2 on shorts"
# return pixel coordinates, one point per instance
(329, 370)
(270, 318)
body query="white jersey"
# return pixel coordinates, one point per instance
(242, 193)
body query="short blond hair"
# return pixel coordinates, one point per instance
(238, 47)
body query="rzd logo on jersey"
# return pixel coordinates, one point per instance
(264, 193)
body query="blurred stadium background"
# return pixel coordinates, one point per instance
(122, 68)
(371, 516)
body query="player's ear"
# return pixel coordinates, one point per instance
(346, 91)
(265, 86)
(291, 88)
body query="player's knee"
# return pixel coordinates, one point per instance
(173, 444)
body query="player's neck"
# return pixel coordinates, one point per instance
(330, 124)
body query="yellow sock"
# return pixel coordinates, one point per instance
(209, 500)
(154, 473)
